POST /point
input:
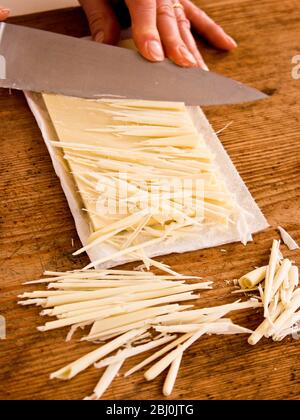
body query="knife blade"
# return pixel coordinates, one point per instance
(42, 61)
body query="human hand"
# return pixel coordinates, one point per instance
(4, 13)
(160, 28)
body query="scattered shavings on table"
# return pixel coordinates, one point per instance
(129, 313)
(277, 284)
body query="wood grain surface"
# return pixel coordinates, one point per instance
(36, 227)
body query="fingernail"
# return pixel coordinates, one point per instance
(204, 67)
(99, 37)
(232, 41)
(201, 63)
(155, 50)
(5, 11)
(188, 57)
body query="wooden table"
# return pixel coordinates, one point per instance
(36, 228)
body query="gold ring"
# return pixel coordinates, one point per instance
(178, 6)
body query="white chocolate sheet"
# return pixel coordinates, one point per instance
(204, 237)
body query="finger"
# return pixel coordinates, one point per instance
(171, 39)
(184, 26)
(206, 27)
(4, 13)
(102, 20)
(144, 29)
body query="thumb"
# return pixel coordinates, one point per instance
(102, 21)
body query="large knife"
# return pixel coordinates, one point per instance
(41, 61)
